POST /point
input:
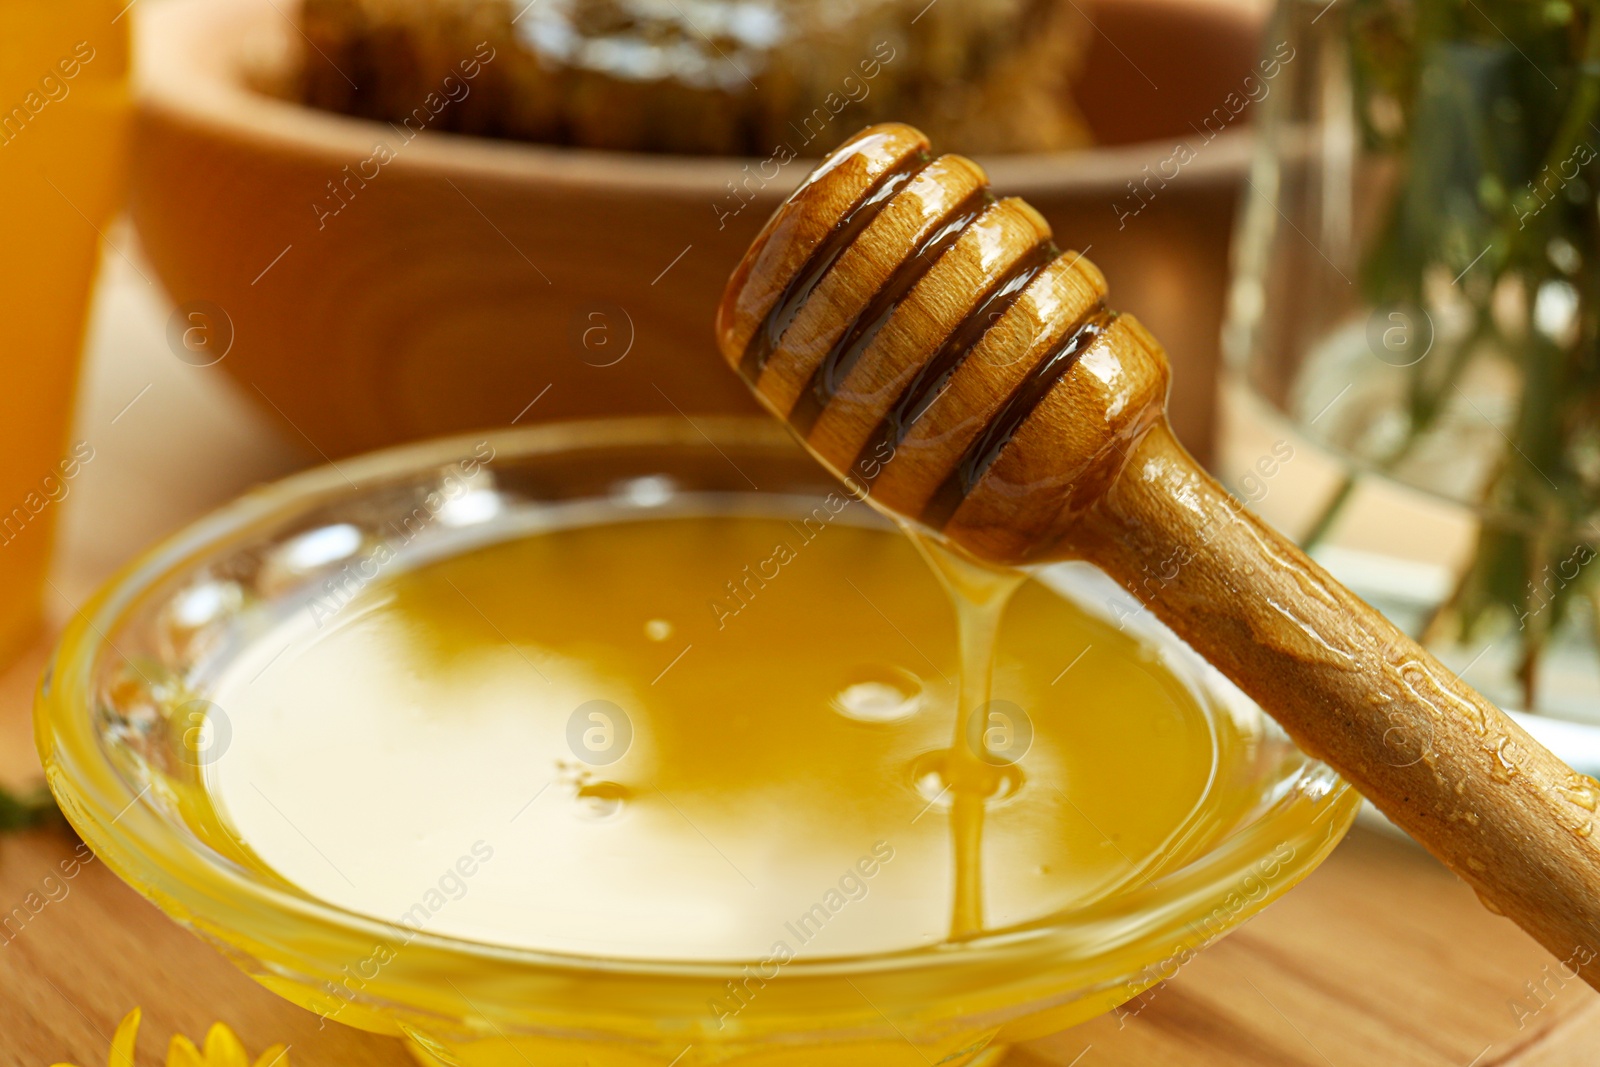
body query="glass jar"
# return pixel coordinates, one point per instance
(1414, 317)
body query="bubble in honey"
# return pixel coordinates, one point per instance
(658, 629)
(931, 779)
(602, 800)
(879, 694)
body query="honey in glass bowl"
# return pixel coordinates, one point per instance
(574, 746)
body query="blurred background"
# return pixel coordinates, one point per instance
(299, 232)
(318, 230)
(243, 237)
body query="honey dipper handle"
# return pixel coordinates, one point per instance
(1441, 761)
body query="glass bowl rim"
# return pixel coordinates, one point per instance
(141, 847)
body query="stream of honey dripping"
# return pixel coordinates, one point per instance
(979, 594)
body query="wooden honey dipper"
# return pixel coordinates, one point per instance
(933, 347)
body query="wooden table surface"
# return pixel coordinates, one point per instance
(1381, 957)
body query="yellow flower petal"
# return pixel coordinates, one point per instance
(223, 1048)
(276, 1056)
(122, 1044)
(182, 1053)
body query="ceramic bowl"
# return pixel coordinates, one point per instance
(471, 278)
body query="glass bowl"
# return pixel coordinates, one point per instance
(117, 731)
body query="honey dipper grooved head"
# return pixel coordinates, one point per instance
(931, 344)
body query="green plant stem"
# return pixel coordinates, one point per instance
(26, 812)
(1329, 515)
(1425, 409)
(1579, 113)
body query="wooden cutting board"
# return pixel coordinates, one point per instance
(1380, 957)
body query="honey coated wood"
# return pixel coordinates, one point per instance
(938, 353)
